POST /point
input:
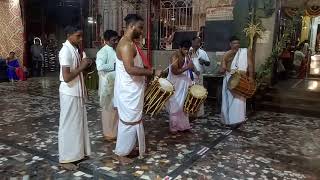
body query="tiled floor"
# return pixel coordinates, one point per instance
(268, 146)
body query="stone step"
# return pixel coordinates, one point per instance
(294, 98)
(301, 109)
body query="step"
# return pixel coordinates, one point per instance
(301, 109)
(294, 98)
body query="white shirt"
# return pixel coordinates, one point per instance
(70, 57)
(298, 57)
(106, 59)
(200, 54)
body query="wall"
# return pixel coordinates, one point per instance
(264, 49)
(313, 35)
(11, 31)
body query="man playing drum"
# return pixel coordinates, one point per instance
(129, 90)
(236, 59)
(200, 59)
(106, 59)
(180, 73)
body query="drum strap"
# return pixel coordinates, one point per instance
(190, 71)
(145, 60)
(227, 95)
(237, 59)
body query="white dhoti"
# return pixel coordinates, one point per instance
(129, 97)
(109, 115)
(73, 134)
(233, 107)
(178, 119)
(127, 138)
(110, 121)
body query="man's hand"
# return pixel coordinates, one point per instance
(201, 61)
(158, 73)
(85, 63)
(190, 66)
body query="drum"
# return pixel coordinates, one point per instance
(156, 95)
(197, 94)
(239, 84)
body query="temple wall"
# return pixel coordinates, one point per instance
(11, 31)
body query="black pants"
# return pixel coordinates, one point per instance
(37, 68)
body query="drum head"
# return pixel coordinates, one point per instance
(165, 85)
(198, 91)
(234, 80)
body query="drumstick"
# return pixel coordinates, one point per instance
(171, 64)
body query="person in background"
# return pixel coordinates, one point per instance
(37, 57)
(51, 54)
(298, 58)
(200, 59)
(286, 60)
(106, 60)
(13, 65)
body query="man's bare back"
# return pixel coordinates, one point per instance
(125, 45)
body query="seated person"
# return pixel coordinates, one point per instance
(298, 59)
(14, 70)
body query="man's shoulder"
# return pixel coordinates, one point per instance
(228, 53)
(176, 54)
(65, 51)
(102, 50)
(202, 50)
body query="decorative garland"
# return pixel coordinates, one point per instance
(312, 11)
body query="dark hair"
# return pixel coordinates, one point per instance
(108, 34)
(132, 18)
(301, 46)
(72, 29)
(234, 38)
(12, 52)
(185, 44)
(197, 37)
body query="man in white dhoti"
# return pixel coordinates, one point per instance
(106, 60)
(129, 91)
(180, 75)
(200, 59)
(234, 106)
(73, 133)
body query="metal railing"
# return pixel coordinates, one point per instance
(175, 15)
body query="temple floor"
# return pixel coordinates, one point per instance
(269, 145)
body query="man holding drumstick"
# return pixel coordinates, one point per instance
(181, 76)
(129, 90)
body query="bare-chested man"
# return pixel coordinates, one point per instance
(129, 90)
(180, 74)
(233, 106)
